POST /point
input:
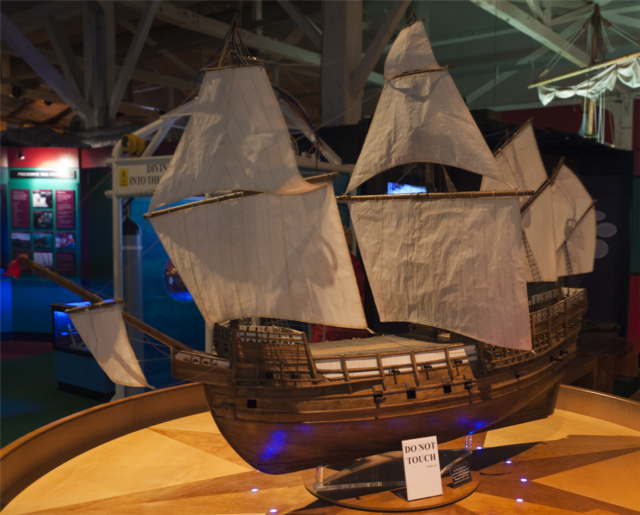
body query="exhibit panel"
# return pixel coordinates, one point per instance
(569, 463)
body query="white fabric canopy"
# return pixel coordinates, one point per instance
(575, 226)
(453, 264)
(103, 332)
(410, 51)
(268, 255)
(422, 118)
(539, 231)
(520, 163)
(236, 139)
(627, 72)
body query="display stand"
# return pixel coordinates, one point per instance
(377, 483)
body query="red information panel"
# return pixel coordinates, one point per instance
(66, 262)
(65, 209)
(20, 209)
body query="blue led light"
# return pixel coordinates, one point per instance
(479, 448)
(273, 510)
(519, 500)
(508, 462)
(254, 489)
(523, 479)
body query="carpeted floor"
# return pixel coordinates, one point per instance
(29, 395)
(18, 349)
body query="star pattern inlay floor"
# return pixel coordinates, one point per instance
(572, 464)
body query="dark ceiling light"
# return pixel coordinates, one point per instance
(20, 154)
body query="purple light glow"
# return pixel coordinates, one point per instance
(519, 500)
(508, 462)
(254, 489)
(524, 479)
(273, 510)
(479, 448)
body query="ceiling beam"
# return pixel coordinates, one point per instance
(530, 26)
(532, 57)
(382, 37)
(32, 19)
(64, 53)
(164, 52)
(45, 69)
(192, 21)
(310, 30)
(49, 96)
(584, 12)
(623, 20)
(130, 61)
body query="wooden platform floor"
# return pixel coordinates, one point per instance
(572, 463)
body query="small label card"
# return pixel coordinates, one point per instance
(460, 474)
(421, 468)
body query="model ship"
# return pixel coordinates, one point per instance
(273, 246)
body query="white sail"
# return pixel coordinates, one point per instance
(577, 252)
(103, 332)
(236, 139)
(575, 224)
(268, 255)
(539, 239)
(411, 51)
(454, 264)
(570, 203)
(520, 163)
(422, 118)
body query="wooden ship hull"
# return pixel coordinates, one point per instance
(286, 406)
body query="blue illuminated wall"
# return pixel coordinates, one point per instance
(180, 320)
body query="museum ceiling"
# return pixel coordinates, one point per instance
(494, 50)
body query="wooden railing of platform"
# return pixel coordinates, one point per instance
(32, 456)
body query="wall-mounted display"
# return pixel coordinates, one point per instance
(44, 259)
(20, 209)
(42, 240)
(21, 240)
(65, 209)
(42, 198)
(43, 219)
(66, 263)
(65, 240)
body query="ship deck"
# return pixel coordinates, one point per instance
(379, 344)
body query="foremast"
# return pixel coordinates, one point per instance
(274, 247)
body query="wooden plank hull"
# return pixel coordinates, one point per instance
(279, 447)
(281, 415)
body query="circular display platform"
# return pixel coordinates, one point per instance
(567, 463)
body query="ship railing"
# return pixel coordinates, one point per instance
(419, 363)
(550, 326)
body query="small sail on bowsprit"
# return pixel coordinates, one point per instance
(421, 117)
(236, 139)
(275, 249)
(103, 332)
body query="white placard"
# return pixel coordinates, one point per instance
(138, 176)
(421, 467)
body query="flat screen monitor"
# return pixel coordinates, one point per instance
(393, 188)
